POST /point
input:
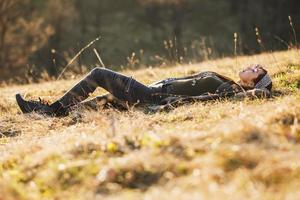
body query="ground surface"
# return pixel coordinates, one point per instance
(217, 150)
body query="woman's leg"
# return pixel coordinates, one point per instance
(120, 86)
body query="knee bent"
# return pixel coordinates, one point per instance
(98, 71)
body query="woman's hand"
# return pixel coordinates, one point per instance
(252, 94)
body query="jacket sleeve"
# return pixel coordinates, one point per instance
(252, 94)
(172, 102)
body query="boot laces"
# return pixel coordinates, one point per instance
(41, 102)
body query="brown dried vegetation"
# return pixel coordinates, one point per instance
(216, 150)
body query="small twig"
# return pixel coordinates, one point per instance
(235, 35)
(262, 46)
(99, 58)
(112, 125)
(76, 56)
(2, 135)
(293, 29)
(259, 40)
(282, 41)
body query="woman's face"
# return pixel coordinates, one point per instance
(249, 74)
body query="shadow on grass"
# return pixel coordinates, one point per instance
(9, 133)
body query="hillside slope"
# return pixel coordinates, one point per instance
(217, 150)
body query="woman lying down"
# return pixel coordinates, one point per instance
(125, 92)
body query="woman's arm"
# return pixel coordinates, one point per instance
(252, 94)
(171, 102)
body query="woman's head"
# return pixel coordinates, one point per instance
(255, 77)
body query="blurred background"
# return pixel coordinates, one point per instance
(38, 37)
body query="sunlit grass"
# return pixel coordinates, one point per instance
(225, 149)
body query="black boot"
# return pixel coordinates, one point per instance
(34, 106)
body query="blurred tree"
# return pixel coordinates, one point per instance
(176, 10)
(21, 34)
(60, 15)
(271, 17)
(46, 34)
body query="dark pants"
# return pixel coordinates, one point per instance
(124, 88)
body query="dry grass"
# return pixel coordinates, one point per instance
(216, 150)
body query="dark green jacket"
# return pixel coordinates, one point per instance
(203, 86)
(203, 83)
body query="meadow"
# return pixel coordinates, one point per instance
(222, 149)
